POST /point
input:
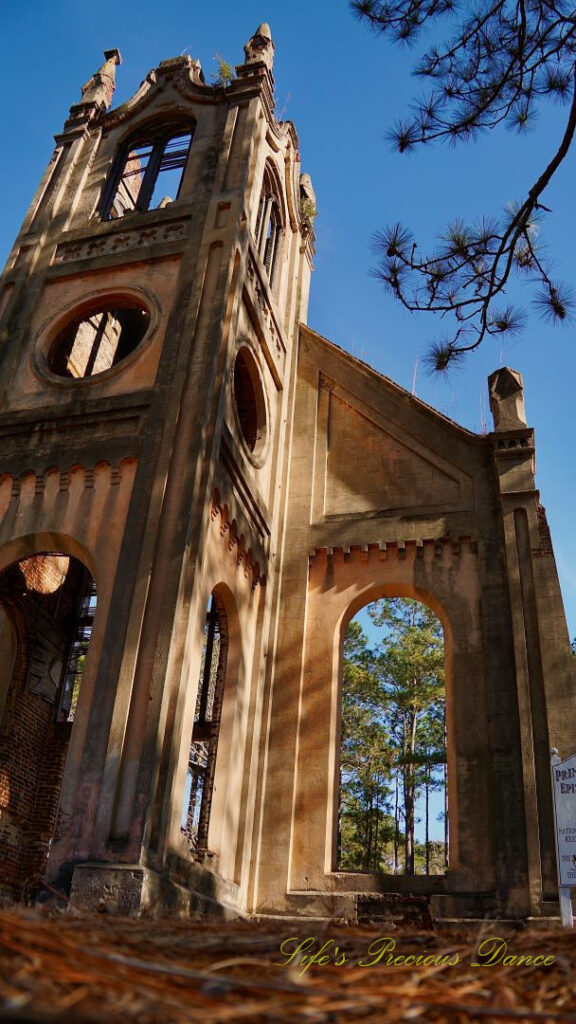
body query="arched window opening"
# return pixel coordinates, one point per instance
(268, 226)
(60, 599)
(204, 742)
(271, 238)
(75, 663)
(50, 600)
(97, 340)
(148, 173)
(250, 402)
(393, 782)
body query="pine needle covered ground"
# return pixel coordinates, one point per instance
(82, 968)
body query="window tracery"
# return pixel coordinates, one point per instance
(269, 225)
(148, 172)
(97, 339)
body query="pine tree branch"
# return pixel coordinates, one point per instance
(502, 60)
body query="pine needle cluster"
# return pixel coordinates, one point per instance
(502, 59)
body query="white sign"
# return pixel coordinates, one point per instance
(564, 790)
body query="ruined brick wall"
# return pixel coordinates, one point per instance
(32, 756)
(33, 744)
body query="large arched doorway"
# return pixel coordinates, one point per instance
(393, 814)
(47, 607)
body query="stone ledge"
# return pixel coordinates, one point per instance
(132, 890)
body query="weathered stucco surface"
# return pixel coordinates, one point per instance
(336, 488)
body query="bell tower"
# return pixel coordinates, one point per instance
(148, 315)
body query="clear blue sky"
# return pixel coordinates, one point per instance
(342, 86)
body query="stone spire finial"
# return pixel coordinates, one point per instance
(506, 389)
(260, 47)
(100, 88)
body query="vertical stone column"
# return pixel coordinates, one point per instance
(533, 618)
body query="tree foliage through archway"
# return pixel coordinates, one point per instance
(393, 740)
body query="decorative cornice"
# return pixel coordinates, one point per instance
(236, 541)
(37, 480)
(33, 429)
(244, 506)
(123, 240)
(434, 547)
(509, 441)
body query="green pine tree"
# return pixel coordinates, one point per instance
(393, 736)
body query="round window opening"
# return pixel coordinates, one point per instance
(250, 402)
(97, 340)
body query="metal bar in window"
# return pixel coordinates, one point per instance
(211, 626)
(100, 328)
(127, 192)
(150, 175)
(264, 227)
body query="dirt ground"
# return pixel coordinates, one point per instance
(67, 966)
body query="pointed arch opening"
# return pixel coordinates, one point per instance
(393, 802)
(206, 728)
(47, 609)
(148, 171)
(269, 223)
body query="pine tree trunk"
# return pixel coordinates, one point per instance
(427, 837)
(396, 827)
(375, 859)
(445, 794)
(409, 819)
(445, 818)
(368, 850)
(409, 787)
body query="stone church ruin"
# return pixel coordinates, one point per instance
(186, 529)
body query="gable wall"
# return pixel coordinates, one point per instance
(389, 498)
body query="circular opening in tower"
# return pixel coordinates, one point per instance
(97, 339)
(250, 402)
